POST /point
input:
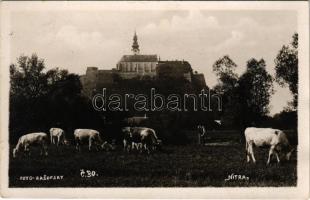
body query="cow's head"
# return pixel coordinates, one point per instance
(66, 142)
(126, 129)
(288, 154)
(103, 145)
(107, 147)
(158, 144)
(285, 151)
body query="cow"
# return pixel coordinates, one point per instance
(58, 136)
(92, 136)
(274, 138)
(31, 139)
(141, 138)
(201, 134)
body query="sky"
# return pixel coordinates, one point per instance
(74, 40)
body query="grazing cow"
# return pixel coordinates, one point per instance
(31, 139)
(141, 138)
(201, 134)
(92, 136)
(274, 138)
(58, 136)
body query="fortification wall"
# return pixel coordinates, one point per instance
(94, 80)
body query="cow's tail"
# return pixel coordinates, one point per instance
(19, 144)
(246, 142)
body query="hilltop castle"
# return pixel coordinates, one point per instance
(137, 66)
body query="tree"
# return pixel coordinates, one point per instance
(224, 68)
(286, 66)
(245, 98)
(27, 79)
(255, 90)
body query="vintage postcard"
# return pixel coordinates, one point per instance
(155, 99)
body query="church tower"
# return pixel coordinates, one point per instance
(135, 46)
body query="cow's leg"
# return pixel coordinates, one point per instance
(277, 156)
(124, 145)
(44, 148)
(96, 144)
(132, 146)
(247, 152)
(27, 150)
(77, 146)
(62, 140)
(89, 143)
(271, 151)
(252, 152)
(142, 147)
(58, 139)
(148, 149)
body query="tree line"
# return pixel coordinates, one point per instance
(246, 97)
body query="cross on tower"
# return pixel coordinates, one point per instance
(135, 46)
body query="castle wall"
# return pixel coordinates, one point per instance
(199, 79)
(94, 80)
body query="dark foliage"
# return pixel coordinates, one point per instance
(287, 68)
(40, 100)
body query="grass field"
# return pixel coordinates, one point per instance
(173, 166)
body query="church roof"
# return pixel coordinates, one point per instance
(139, 58)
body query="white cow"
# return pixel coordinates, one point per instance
(57, 136)
(30, 139)
(92, 136)
(274, 138)
(140, 138)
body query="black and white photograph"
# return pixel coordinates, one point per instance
(129, 99)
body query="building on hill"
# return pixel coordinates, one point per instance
(131, 66)
(137, 66)
(199, 80)
(174, 69)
